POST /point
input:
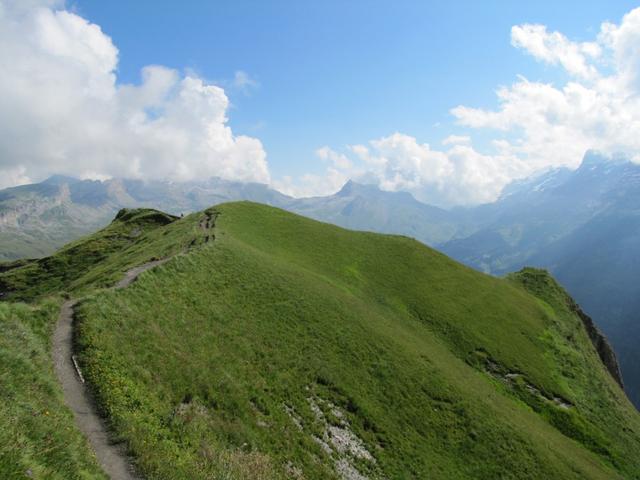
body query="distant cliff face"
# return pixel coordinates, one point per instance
(601, 344)
(541, 284)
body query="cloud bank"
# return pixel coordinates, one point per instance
(536, 125)
(63, 110)
(456, 175)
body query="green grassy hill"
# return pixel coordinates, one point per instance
(281, 347)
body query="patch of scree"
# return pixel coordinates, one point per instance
(338, 441)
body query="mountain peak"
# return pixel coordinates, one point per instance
(594, 158)
(59, 180)
(349, 188)
(352, 187)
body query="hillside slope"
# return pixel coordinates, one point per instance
(38, 439)
(281, 347)
(37, 436)
(583, 226)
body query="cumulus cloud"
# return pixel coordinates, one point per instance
(339, 168)
(13, 176)
(457, 175)
(63, 110)
(597, 108)
(243, 82)
(457, 140)
(536, 125)
(554, 48)
(338, 160)
(312, 185)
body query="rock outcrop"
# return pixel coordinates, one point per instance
(601, 344)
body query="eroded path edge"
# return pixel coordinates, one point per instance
(112, 457)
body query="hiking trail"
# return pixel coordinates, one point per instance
(111, 456)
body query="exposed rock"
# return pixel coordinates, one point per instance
(345, 441)
(511, 379)
(297, 421)
(540, 283)
(293, 471)
(348, 471)
(601, 344)
(339, 442)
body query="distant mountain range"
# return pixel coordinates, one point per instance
(582, 225)
(37, 219)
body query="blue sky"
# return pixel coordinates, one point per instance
(450, 101)
(342, 72)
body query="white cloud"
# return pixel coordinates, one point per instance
(536, 125)
(598, 109)
(338, 160)
(554, 48)
(13, 176)
(62, 109)
(457, 140)
(401, 163)
(339, 170)
(311, 185)
(623, 43)
(243, 82)
(459, 175)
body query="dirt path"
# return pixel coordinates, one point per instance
(132, 274)
(112, 457)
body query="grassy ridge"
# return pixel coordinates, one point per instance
(215, 364)
(99, 259)
(37, 438)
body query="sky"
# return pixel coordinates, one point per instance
(447, 100)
